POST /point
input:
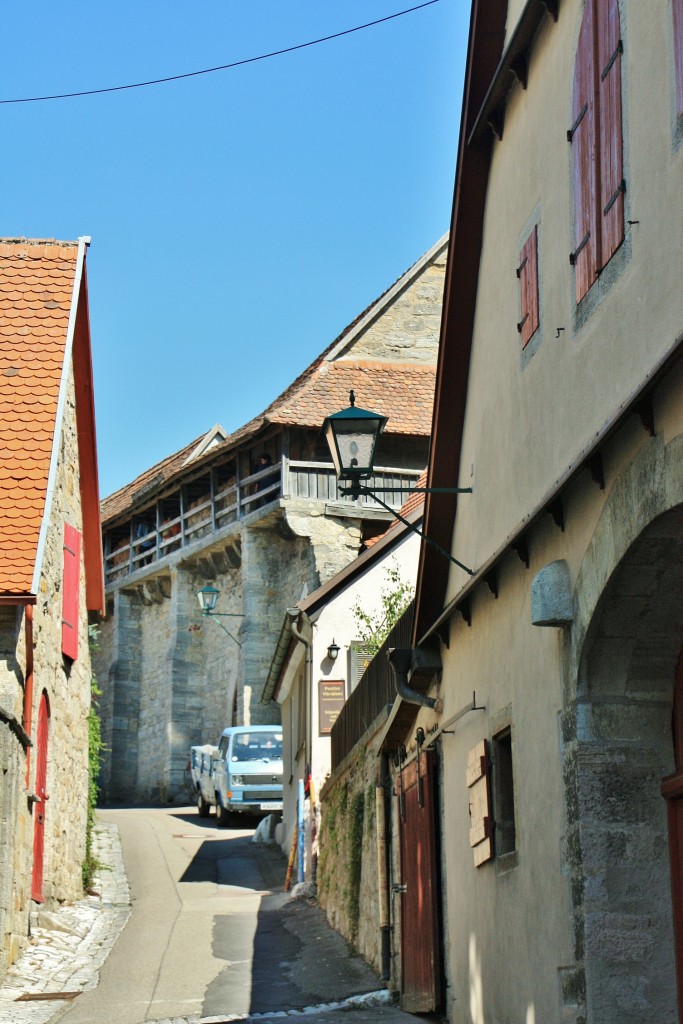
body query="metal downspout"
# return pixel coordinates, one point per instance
(308, 671)
(383, 828)
(401, 661)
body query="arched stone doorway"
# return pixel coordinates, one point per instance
(623, 747)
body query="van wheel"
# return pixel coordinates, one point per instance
(203, 808)
(224, 817)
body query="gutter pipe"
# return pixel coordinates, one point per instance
(402, 662)
(381, 810)
(295, 614)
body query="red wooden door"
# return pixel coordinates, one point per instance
(39, 806)
(672, 790)
(420, 933)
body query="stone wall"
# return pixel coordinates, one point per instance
(172, 678)
(68, 691)
(347, 859)
(408, 330)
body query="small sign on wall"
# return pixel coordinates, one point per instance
(331, 700)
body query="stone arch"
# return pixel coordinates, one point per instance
(623, 654)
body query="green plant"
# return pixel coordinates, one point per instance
(95, 747)
(355, 824)
(395, 596)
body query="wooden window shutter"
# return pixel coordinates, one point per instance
(481, 818)
(71, 578)
(527, 272)
(582, 136)
(677, 13)
(608, 80)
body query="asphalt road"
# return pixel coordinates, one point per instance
(212, 933)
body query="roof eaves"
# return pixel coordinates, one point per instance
(486, 41)
(59, 417)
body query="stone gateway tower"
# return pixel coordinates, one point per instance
(257, 515)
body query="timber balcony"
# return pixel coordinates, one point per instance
(211, 503)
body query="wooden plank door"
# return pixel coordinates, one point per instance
(672, 791)
(420, 891)
(39, 806)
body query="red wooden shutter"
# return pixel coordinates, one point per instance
(582, 136)
(71, 578)
(608, 79)
(677, 13)
(527, 272)
(481, 819)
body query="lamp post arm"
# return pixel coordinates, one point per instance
(212, 615)
(421, 490)
(411, 526)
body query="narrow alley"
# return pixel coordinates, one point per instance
(205, 934)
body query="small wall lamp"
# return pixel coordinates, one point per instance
(207, 597)
(333, 651)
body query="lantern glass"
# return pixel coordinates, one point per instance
(352, 437)
(207, 598)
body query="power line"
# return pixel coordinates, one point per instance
(221, 67)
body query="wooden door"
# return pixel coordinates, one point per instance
(672, 790)
(40, 804)
(420, 890)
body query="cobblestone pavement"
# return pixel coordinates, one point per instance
(66, 956)
(69, 946)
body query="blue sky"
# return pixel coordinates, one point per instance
(241, 219)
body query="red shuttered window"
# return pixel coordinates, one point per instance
(597, 143)
(527, 272)
(677, 13)
(71, 591)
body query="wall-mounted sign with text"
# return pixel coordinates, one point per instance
(330, 702)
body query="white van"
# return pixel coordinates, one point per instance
(245, 775)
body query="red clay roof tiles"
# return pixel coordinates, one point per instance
(404, 392)
(36, 286)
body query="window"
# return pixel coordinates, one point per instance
(597, 146)
(504, 834)
(71, 576)
(527, 272)
(360, 656)
(491, 794)
(478, 785)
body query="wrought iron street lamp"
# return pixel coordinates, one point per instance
(352, 437)
(208, 597)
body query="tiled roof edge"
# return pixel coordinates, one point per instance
(59, 416)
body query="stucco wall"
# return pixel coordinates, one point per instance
(553, 403)
(578, 920)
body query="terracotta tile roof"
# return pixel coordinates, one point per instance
(36, 286)
(150, 480)
(404, 392)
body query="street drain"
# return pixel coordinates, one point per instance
(31, 997)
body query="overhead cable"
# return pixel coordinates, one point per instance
(221, 67)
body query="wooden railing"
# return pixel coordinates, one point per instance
(159, 536)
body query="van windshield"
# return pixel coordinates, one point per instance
(257, 746)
